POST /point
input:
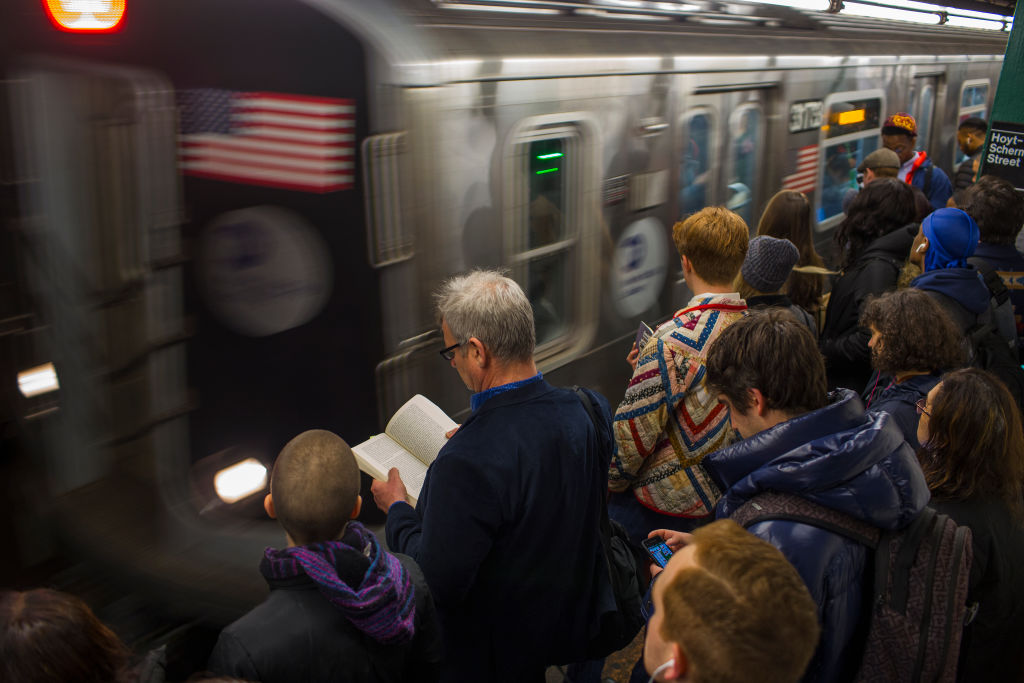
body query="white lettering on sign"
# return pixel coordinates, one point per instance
(806, 115)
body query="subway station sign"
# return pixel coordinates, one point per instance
(1004, 156)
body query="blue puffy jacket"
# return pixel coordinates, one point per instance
(845, 460)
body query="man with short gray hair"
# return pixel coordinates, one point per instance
(507, 524)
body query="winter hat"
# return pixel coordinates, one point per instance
(952, 238)
(768, 263)
(900, 122)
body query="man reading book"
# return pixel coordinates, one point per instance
(506, 527)
(341, 608)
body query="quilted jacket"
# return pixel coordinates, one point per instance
(842, 459)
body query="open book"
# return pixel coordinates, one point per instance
(643, 333)
(413, 438)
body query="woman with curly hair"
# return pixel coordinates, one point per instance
(873, 240)
(913, 341)
(972, 455)
(788, 216)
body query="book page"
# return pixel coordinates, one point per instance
(380, 453)
(643, 334)
(419, 425)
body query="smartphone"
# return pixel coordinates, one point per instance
(657, 549)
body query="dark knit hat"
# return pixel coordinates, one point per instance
(769, 262)
(880, 158)
(900, 122)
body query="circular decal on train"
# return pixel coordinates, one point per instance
(639, 267)
(263, 270)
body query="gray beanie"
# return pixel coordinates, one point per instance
(769, 262)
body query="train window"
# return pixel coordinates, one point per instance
(925, 108)
(695, 161)
(542, 247)
(973, 102)
(852, 130)
(744, 160)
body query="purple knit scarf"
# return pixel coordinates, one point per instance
(382, 606)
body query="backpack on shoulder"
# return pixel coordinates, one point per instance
(918, 586)
(625, 564)
(990, 349)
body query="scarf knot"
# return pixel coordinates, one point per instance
(382, 606)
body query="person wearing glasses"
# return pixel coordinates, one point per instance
(913, 341)
(506, 528)
(972, 454)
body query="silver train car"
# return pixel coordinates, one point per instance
(224, 219)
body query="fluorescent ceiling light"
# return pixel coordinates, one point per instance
(240, 480)
(41, 379)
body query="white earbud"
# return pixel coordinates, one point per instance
(660, 669)
(921, 248)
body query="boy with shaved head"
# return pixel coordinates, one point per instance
(341, 608)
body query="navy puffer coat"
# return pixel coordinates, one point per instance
(842, 459)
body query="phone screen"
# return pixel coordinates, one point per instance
(658, 550)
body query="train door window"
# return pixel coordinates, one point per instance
(973, 102)
(924, 110)
(852, 130)
(696, 161)
(542, 246)
(745, 125)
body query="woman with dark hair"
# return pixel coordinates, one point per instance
(52, 637)
(873, 240)
(912, 342)
(788, 216)
(972, 455)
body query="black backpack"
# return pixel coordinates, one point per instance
(626, 567)
(918, 586)
(990, 350)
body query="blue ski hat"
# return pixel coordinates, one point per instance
(952, 238)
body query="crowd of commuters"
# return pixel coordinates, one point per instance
(867, 399)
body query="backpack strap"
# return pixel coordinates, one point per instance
(606, 527)
(996, 287)
(793, 508)
(928, 170)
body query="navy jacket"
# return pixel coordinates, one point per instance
(899, 400)
(506, 531)
(939, 189)
(842, 459)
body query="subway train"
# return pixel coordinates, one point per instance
(224, 220)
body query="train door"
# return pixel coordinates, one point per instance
(722, 152)
(102, 254)
(922, 108)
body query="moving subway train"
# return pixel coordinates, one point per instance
(223, 219)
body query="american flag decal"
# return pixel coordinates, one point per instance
(292, 142)
(806, 170)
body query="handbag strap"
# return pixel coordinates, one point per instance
(606, 527)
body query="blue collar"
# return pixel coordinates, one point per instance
(480, 398)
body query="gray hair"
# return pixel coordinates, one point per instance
(491, 307)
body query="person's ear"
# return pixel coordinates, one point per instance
(477, 352)
(760, 403)
(268, 505)
(680, 669)
(355, 508)
(687, 265)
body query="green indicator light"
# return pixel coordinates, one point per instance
(547, 170)
(553, 155)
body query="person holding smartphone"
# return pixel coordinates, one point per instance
(727, 606)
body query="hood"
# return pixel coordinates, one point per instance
(960, 284)
(894, 245)
(837, 457)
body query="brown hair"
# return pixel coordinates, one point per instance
(314, 485)
(743, 613)
(48, 636)
(715, 240)
(916, 333)
(975, 446)
(882, 207)
(788, 216)
(997, 208)
(773, 352)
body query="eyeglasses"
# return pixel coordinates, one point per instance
(449, 353)
(921, 403)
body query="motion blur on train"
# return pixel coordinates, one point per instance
(224, 219)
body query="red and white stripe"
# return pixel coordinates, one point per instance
(286, 141)
(806, 176)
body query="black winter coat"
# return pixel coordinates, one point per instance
(844, 342)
